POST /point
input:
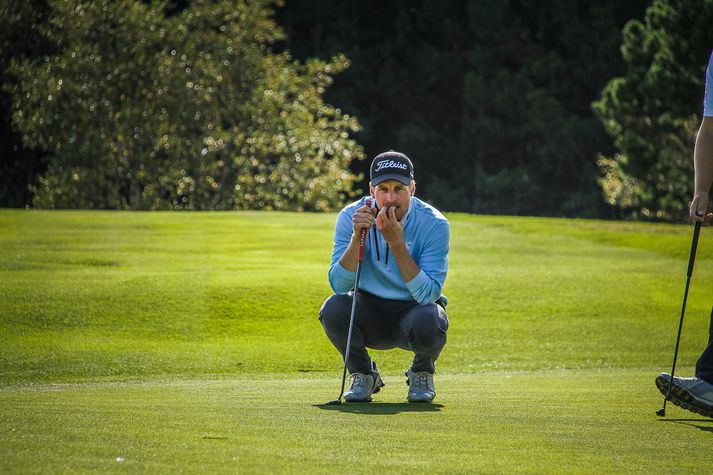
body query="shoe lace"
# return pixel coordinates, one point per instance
(357, 379)
(420, 380)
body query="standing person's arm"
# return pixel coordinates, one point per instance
(703, 162)
(703, 154)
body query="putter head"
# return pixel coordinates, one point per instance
(336, 402)
(661, 412)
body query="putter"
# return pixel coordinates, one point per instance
(694, 244)
(362, 241)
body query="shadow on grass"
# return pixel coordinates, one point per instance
(380, 407)
(708, 427)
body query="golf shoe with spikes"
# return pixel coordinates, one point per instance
(364, 385)
(420, 386)
(692, 394)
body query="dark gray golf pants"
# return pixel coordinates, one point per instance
(384, 324)
(704, 366)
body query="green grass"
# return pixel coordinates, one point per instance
(190, 341)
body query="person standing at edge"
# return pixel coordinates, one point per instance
(399, 302)
(696, 394)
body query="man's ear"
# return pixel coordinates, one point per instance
(371, 190)
(413, 188)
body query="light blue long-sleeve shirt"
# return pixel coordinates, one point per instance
(426, 234)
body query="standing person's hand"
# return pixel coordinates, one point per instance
(390, 227)
(699, 208)
(363, 219)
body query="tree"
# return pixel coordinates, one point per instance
(145, 109)
(652, 112)
(530, 137)
(20, 37)
(492, 100)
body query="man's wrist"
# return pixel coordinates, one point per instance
(399, 245)
(356, 237)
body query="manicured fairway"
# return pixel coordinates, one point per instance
(189, 341)
(546, 421)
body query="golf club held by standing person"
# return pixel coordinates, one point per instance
(696, 394)
(397, 302)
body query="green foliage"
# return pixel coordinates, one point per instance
(653, 110)
(619, 189)
(528, 142)
(20, 37)
(140, 109)
(492, 101)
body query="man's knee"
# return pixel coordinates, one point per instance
(429, 326)
(335, 311)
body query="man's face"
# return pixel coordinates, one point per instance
(393, 193)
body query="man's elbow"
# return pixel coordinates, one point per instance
(339, 290)
(338, 287)
(429, 296)
(332, 281)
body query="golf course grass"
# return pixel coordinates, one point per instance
(190, 342)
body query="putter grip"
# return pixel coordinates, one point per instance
(362, 236)
(694, 245)
(362, 240)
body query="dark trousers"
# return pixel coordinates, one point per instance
(384, 324)
(704, 366)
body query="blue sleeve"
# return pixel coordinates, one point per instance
(708, 99)
(340, 279)
(426, 286)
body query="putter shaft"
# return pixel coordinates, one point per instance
(362, 243)
(689, 273)
(349, 334)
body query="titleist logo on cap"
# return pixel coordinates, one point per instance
(390, 164)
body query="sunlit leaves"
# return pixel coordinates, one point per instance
(142, 110)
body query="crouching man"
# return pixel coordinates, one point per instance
(399, 302)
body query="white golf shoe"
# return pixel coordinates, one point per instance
(693, 394)
(363, 386)
(420, 386)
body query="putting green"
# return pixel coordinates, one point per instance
(189, 341)
(566, 421)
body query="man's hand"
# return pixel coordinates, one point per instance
(393, 231)
(390, 227)
(363, 219)
(699, 208)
